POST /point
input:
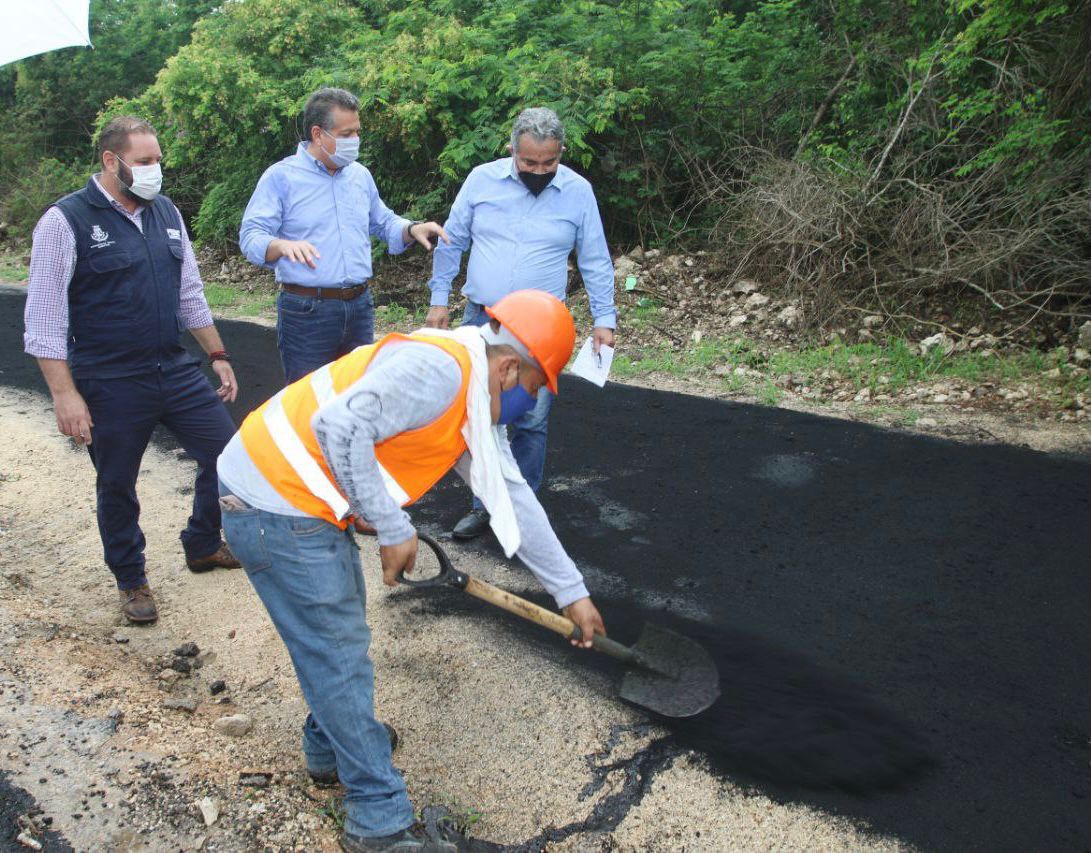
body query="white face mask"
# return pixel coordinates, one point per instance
(147, 180)
(346, 150)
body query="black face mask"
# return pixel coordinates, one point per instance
(535, 182)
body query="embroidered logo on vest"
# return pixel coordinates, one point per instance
(98, 235)
(174, 234)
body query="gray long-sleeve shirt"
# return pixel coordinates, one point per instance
(406, 387)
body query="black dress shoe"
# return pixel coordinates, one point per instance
(472, 524)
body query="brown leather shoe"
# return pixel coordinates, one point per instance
(138, 605)
(221, 558)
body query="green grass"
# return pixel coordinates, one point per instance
(769, 394)
(227, 300)
(395, 315)
(333, 810)
(391, 314)
(897, 364)
(881, 367)
(460, 816)
(12, 267)
(644, 312)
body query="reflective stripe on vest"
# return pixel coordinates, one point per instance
(324, 392)
(279, 439)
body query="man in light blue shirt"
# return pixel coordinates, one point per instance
(311, 218)
(521, 217)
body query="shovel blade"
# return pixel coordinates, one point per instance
(692, 686)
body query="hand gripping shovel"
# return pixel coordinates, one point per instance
(665, 672)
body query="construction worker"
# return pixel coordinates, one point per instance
(354, 442)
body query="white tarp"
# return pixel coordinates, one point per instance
(28, 27)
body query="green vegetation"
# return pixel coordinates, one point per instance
(886, 367)
(852, 151)
(49, 104)
(332, 809)
(391, 314)
(460, 817)
(231, 301)
(13, 266)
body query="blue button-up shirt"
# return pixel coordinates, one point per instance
(298, 199)
(522, 242)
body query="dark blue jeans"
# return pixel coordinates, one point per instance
(124, 413)
(312, 332)
(528, 434)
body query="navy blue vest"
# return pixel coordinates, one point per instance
(123, 300)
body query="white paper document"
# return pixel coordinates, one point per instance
(594, 367)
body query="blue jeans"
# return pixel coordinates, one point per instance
(125, 412)
(528, 433)
(312, 332)
(307, 574)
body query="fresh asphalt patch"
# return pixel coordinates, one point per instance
(17, 805)
(902, 623)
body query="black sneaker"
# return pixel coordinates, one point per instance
(328, 778)
(410, 840)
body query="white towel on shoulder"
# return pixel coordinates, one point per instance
(491, 462)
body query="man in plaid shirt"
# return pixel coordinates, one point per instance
(113, 279)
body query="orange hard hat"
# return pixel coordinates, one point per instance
(542, 324)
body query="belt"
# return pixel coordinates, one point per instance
(343, 293)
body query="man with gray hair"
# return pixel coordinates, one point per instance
(311, 218)
(521, 217)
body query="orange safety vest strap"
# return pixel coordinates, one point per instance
(279, 439)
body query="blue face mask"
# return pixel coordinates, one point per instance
(346, 150)
(514, 403)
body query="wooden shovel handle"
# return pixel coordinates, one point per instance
(521, 607)
(546, 618)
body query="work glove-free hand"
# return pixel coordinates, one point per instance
(398, 558)
(586, 615)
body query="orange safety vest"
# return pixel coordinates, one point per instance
(280, 442)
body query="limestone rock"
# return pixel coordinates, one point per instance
(210, 810)
(1084, 336)
(938, 340)
(789, 316)
(234, 725)
(623, 268)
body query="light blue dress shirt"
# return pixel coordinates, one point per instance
(522, 242)
(298, 199)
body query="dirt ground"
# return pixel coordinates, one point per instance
(504, 737)
(106, 745)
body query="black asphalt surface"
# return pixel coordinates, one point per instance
(902, 623)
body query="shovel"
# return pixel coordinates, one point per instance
(665, 672)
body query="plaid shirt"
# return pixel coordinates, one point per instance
(52, 263)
